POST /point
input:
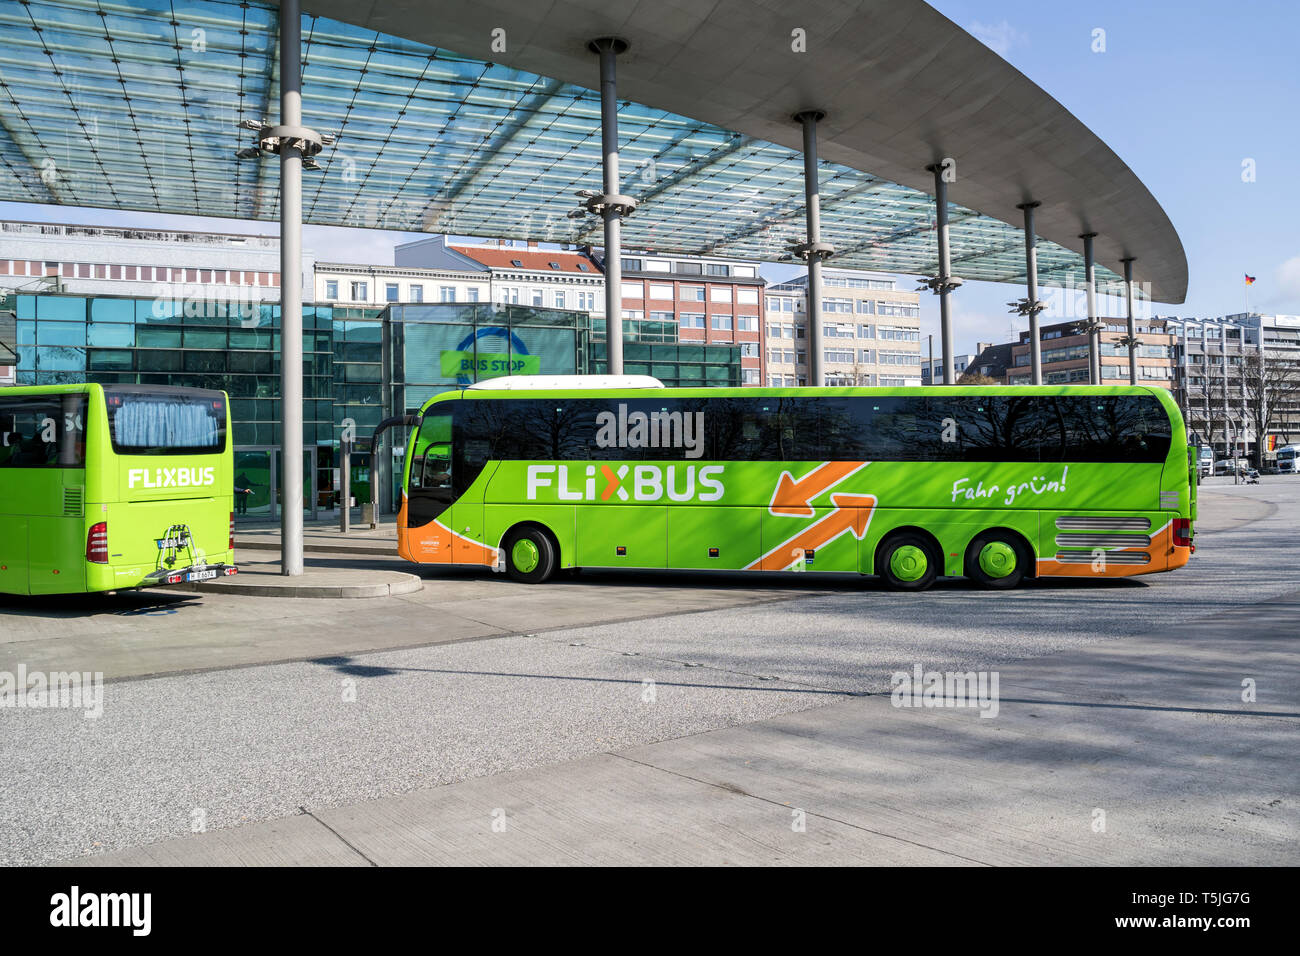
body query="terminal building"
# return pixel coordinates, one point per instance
(356, 370)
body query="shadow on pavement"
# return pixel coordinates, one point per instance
(124, 603)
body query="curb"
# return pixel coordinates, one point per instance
(318, 548)
(406, 584)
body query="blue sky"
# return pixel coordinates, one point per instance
(1184, 92)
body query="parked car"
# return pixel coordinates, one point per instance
(1223, 466)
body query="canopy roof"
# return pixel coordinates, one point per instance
(136, 105)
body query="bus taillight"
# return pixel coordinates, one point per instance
(97, 544)
(1182, 532)
(232, 531)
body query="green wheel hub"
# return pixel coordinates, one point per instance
(997, 559)
(908, 563)
(525, 555)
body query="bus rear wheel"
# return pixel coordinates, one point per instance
(997, 560)
(531, 555)
(908, 562)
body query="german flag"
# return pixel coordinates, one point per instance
(1250, 280)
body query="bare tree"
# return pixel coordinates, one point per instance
(975, 378)
(1272, 386)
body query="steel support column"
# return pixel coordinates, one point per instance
(1132, 328)
(1090, 288)
(1031, 291)
(291, 472)
(943, 283)
(612, 212)
(813, 250)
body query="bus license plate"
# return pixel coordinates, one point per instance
(201, 575)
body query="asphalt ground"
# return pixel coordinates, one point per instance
(229, 740)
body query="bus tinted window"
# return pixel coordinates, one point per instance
(817, 428)
(143, 422)
(43, 431)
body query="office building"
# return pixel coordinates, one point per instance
(871, 333)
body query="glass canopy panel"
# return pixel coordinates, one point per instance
(137, 105)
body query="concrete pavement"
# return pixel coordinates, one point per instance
(1120, 697)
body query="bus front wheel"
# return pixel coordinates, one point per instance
(531, 555)
(997, 560)
(908, 562)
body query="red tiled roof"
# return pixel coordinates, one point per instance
(538, 260)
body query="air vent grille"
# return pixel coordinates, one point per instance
(74, 500)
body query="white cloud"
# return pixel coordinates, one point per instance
(998, 37)
(1288, 279)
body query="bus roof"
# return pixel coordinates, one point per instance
(1163, 395)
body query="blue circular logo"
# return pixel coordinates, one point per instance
(517, 346)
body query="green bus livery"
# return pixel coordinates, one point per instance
(113, 487)
(993, 484)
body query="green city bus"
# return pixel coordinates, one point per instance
(112, 487)
(997, 484)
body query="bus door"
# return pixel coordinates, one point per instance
(429, 494)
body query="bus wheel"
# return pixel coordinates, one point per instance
(908, 562)
(530, 555)
(997, 560)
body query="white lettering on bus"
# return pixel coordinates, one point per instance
(171, 477)
(656, 430)
(628, 483)
(1038, 485)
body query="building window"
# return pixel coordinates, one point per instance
(747, 296)
(633, 290)
(866, 307)
(631, 265)
(538, 298)
(844, 356)
(447, 293)
(471, 295)
(417, 292)
(747, 323)
(750, 376)
(360, 292)
(332, 289)
(692, 293)
(688, 268)
(391, 293)
(749, 350)
(692, 320)
(720, 293)
(720, 321)
(661, 291)
(716, 269)
(559, 300)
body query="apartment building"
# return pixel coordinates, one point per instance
(1064, 348)
(515, 273)
(696, 300)
(346, 284)
(871, 332)
(123, 260)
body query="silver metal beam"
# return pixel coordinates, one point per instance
(1090, 288)
(1132, 330)
(1031, 293)
(813, 217)
(291, 472)
(609, 48)
(945, 267)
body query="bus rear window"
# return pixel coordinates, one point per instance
(166, 423)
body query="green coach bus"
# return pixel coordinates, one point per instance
(112, 487)
(996, 484)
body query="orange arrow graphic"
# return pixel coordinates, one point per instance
(852, 513)
(791, 497)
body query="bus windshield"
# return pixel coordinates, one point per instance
(161, 422)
